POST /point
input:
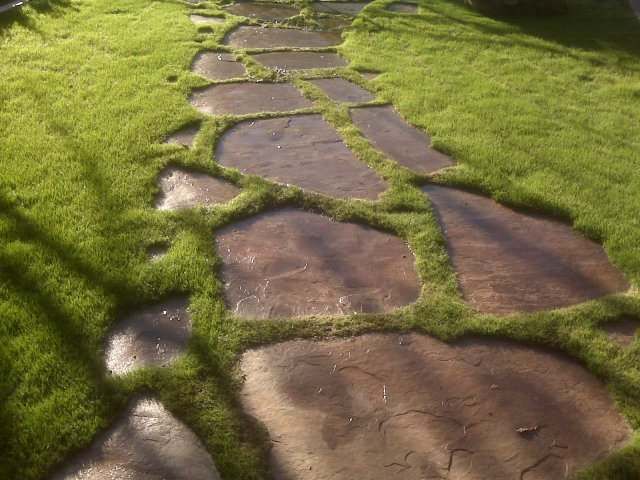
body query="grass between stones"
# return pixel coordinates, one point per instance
(540, 114)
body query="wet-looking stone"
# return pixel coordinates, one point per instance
(217, 66)
(508, 261)
(148, 443)
(181, 189)
(378, 406)
(623, 332)
(342, 90)
(291, 263)
(259, 37)
(263, 10)
(346, 8)
(300, 60)
(184, 136)
(153, 336)
(405, 144)
(403, 7)
(302, 150)
(204, 20)
(248, 98)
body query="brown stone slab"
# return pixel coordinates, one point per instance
(402, 142)
(260, 37)
(412, 407)
(184, 136)
(623, 332)
(205, 20)
(180, 189)
(508, 261)
(402, 7)
(217, 66)
(301, 150)
(263, 11)
(148, 443)
(346, 8)
(342, 90)
(153, 336)
(300, 60)
(248, 98)
(290, 263)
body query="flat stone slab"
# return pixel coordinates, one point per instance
(300, 60)
(248, 98)
(623, 332)
(345, 8)
(148, 443)
(205, 20)
(403, 7)
(290, 263)
(180, 189)
(260, 37)
(217, 66)
(508, 261)
(412, 407)
(402, 142)
(333, 22)
(263, 11)
(153, 336)
(342, 90)
(184, 136)
(301, 150)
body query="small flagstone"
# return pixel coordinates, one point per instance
(217, 66)
(300, 60)
(623, 332)
(346, 8)
(263, 10)
(184, 136)
(403, 7)
(261, 37)
(342, 90)
(205, 20)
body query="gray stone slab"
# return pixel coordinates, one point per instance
(217, 66)
(180, 189)
(345, 8)
(342, 90)
(300, 60)
(263, 10)
(259, 37)
(184, 136)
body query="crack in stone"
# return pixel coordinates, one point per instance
(538, 463)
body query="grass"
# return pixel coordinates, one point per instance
(540, 114)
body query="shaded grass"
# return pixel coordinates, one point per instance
(540, 114)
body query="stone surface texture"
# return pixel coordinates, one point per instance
(342, 90)
(204, 20)
(403, 7)
(260, 37)
(346, 8)
(263, 10)
(300, 60)
(623, 332)
(184, 136)
(217, 66)
(180, 189)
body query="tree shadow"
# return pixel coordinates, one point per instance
(21, 16)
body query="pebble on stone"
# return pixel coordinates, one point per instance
(248, 98)
(623, 332)
(204, 20)
(342, 90)
(300, 60)
(405, 144)
(346, 8)
(153, 336)
(381, 406)
(301, 150)
(184, 136)
(289, 263)
(180, 189)
(260, 37)
(148, 443)
(403, 7)
(263, 11)
(508, 261)
(217, 66)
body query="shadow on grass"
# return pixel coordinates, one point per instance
(21, 16)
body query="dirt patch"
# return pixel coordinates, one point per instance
(300, 60)
(508, 261)
(204, 20)
(302, 150)
(180, 189)
(291, 263)
(217, 66)
(153, 336)
(184, 136)
(148, 443)
(623, 332)
(405, 144)
(263, 11)
(342, 90)
(248, 98)
(260, 37)
(403, 7)
(346, 8)
(378, 406)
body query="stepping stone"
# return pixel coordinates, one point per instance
(300, 60)
(153, 336)
(184, 136)
(301, 150)
(263, 11)
(342, 90)
(217, 66)
(181, 189)
(148, 443)
(508, 261)
(290, 263)
(346, 8)
(403, 7)
(333, 22)
(381, 406)
(248, 98)
(623, 332)
(370, 75)
(204, 20)
(405, 144)
(260, 37)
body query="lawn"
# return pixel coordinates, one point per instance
(541, 114)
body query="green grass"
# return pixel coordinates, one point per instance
(542, 114)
